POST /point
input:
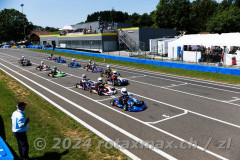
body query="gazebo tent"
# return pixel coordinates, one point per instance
(207, 40)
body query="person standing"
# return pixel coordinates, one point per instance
(19, 129)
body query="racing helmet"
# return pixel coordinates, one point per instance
(23, 57)
(100, 79)
(73, 59)
(114, 72)
(84, 76)
(108, 66)
(55, 68)
(89, 60)
(124, 91)
(42, 62)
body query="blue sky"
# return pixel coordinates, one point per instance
(57, 13)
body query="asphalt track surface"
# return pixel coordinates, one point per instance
(186, 118)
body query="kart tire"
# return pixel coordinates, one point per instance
(141, 102)
(112, 102)
(114, 84)
(125, 107)
(119, 83)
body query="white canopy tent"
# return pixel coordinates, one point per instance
(207, 40)
(67, 27)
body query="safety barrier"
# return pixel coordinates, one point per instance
(5, 153)
(194, 67)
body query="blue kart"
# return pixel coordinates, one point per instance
(60, 60)
(87, 86)
(74, 65)
(93, 69)
(131, 105)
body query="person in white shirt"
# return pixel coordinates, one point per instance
(19, 129)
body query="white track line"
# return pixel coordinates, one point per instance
(158, 129)
(185, 112)
(106, 99)
(153, 148)
(126, 152)
(168, 79)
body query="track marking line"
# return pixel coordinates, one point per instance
(107, 139)
(151, 147)
(135, 77)
(168, 118)
(151, 126)
(106, 99)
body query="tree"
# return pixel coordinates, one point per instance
(202, 11)
(145, 20)
(225, 21)
(173, 14)
(12, 25)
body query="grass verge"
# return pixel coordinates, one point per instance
(47, 122)
(181, 72)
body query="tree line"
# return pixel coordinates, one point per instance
(182, 15)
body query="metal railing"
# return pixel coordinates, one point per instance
(131, 44)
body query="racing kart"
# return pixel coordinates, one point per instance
(104, 74)
(74, 65)
(85, 86)
(25, 63)
(94, 70)
(131, 105)
(60, 60)
(57, 75)
(117, 82)
(52, 58)
(107, 91)
(43, 68)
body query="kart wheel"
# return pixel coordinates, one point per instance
(114, 83)
(112, 102)
(100, 93)
(141, 102)
(119, 83)
(125, 107)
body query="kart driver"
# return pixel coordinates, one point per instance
(114, 75)
(124, 96)
(84, 80)
(54, 72)
(93, 66)
(108, 71)
(99, 86)
(89, 65)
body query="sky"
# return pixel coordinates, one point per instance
(57, 13)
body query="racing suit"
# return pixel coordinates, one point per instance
(108, 72)
(114, 77)
(123, 99)
(54, 72)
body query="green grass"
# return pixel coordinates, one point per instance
(46, 122)
(181, 72)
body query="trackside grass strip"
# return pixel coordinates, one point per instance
(175, 71)
(47, 122)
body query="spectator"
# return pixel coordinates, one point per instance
(19, 129)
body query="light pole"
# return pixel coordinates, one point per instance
(23, 24)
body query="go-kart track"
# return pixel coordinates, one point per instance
(178, 110)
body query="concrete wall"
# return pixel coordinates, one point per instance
(145, 34)
(49, 40)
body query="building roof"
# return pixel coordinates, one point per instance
(39, 32)
(224, 39)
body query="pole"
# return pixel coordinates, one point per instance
(23, 24)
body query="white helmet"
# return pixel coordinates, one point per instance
(108, 66)
(124, 91)
(42, 62)
(100, 79)
(73, 59)
(114, 72)
(22, 56)
(84, 76)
